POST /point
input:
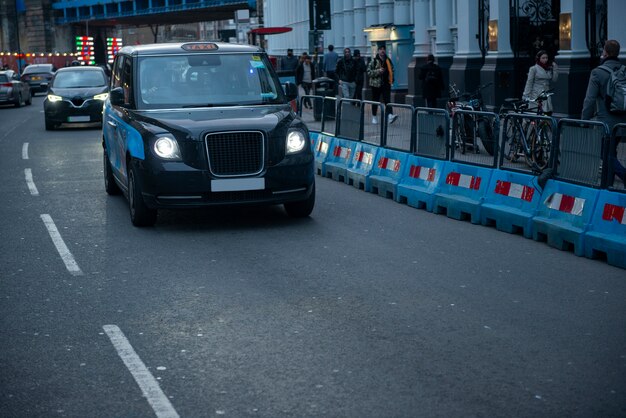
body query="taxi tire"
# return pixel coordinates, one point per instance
(18, 103)
(140, 214)
(302, 208)
(110, 186)
(29, 101)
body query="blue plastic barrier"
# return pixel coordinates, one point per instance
(564, 215)
(511, 202)
(322, 144)
(339, 158)
(607, 230)
(361, 165)
(387, 172)
(419, 182)
(461, 191)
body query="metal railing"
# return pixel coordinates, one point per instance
(526, 142)
(432, 130)
(473, 137)
(616, 159)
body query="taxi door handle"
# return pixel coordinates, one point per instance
(111, 123)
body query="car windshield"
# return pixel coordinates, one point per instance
(206, 80)
(75, 79)
(37, 69)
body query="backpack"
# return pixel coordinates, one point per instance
(615, 95)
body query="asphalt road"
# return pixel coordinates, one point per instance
(369, 308)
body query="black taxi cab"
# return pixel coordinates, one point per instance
(200, 124)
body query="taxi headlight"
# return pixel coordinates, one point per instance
(102, 96)
(167, 148)
(54, 98)
(296, 141)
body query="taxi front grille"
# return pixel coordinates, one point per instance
(235, 153)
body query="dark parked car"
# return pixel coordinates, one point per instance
(12, 90)
(37, 74)
(200, 124)
(76, 95)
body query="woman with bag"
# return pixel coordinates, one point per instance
(540, 76)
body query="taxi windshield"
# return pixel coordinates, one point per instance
(206, 80)
(77, 79)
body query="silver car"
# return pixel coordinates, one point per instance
(13, 90)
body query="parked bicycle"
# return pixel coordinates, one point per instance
(527, 138)
(466, 129)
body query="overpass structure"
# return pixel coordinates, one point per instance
(146, 12)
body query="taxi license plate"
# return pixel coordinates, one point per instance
(78, 119)
(35, 78)
(234, 185)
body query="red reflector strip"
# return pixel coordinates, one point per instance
(342, 152)
(463, 180)
(614, 212)
(422, 173)
(389, 164)
(514, 190)
(567, 204)
(363, 157)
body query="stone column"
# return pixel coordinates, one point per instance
(335, 36)
(402, 12)
(421, 22)
(468, 60)
(498, 68)
(444, 46)
(616, 29)
(385, 11)
(573, 63)
(360, 41)
(348, 24)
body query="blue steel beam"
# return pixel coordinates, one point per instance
(102, 10)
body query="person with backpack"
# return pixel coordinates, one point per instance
(432, 81)
(539, 78)
(605, 100)
(380, 72)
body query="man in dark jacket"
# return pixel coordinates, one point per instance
(595, 107)
(346, 73)
(432, 81)
(361, 68)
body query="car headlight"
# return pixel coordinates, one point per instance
(54, 98)
(102, 96)
(167, 148)
(296, 141)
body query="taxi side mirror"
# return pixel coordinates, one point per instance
(117, 96)
(291, 91)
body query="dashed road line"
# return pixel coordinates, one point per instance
(64, 252)
(147, 383)
(28, 174)
(25, 151)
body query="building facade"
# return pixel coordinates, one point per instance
(476, 42)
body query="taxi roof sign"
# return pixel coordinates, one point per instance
(200, 46)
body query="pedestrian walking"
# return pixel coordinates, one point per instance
(346, 73)
(540, 76)
(290, 62)
(330, 63)
(361, 68)
(380, 72)
(432, 81)
(596, 106)
(305, 74)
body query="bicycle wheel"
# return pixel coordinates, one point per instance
(458, 130)
(541, 145)
(511, 140)
(485, 132)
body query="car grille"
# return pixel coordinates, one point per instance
(235, 153)
(78, 101)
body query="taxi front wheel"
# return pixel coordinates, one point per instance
(140, 214)
(303, 208)
(109, 182)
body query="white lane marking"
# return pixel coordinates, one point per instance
(25, 151)
(64, 252)
(147, 383)
(28, 174)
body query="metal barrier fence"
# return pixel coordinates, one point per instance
(328, 114)
(307, 113)
(473, 137)
(399, 131)
(580, 147)
(616, 159)
(432, 128)
(373, 125)
(350, 119)
(526, 142)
